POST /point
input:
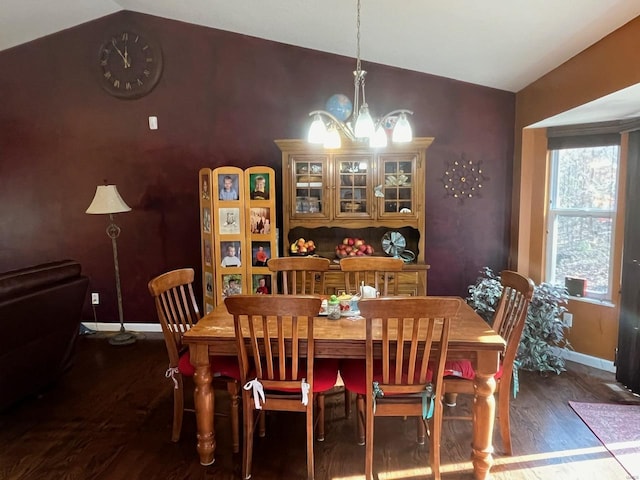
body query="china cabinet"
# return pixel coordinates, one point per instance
(356, 192)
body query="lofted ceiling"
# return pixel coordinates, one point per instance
(503, 44)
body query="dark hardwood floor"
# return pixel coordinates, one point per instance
(110, 417)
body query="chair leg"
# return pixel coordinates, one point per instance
(422, 430)
(347, 403)
(309, 430)
(503, 417)
(234, 394)
(360, 417)
(320, 415)
(178, 408)
(450, 399)
(435, 435)
(248, 419)
(262, 422)
(369, 419)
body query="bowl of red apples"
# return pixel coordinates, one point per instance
(353, 247)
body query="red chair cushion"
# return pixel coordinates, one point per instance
(325, 375)
(464, 369)
(353, 373)
(221, 366)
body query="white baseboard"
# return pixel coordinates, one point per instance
(577, 357)
(114, 327)
(588, 360)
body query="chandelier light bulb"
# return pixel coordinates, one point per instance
(364, 123)
(402, 130)
(317, 131)
(379, 139)
(332, 138)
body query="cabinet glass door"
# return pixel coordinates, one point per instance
(353, 186)
(309, 178)
(398, 183)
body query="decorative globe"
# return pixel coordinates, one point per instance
(339, 106)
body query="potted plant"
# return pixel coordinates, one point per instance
(543, 344)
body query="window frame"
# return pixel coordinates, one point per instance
(554, 213)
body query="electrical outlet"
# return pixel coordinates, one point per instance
(568, 319)
(95, 298)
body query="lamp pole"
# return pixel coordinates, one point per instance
(123, 337)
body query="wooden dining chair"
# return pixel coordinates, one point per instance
(378, 272)
(509, 322)
(178, 312)
(303, 276)
(275, 339)
(300, 275)
(413, 333)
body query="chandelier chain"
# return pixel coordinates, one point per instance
(358, 68)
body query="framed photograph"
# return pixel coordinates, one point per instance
(206, 220)
(207, 252)
(208, 280)
(231, 285)
(204, 186)
(208, 308)
(230, 253)
(228, 186)
(229, 221)
(260, 219)
(259, 186)
(261, 284)
(260, 253)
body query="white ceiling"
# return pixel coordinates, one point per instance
(504, 44)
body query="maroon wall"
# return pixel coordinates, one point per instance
(222, 100)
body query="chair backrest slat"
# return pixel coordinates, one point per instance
(176, 307)
(407, 327)
(300, 275)
(270, 331)
(378, 272)
(511, 314)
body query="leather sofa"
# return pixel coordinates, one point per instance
(40, 312)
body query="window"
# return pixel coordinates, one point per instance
(581, 220)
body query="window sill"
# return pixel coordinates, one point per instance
(593, 301)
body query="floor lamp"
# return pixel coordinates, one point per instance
(107, 200)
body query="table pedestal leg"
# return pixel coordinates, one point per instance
(484, 407)
(204, 403)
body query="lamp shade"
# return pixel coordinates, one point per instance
(107, 200)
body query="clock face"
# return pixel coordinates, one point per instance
(130, 65)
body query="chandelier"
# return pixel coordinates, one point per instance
(357, 123)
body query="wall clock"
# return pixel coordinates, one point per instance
(130, 64)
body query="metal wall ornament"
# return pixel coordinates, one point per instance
(463, 179)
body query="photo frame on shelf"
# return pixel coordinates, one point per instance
(208, 280)
(259, 185)
(208, 308)
(260, 220)
(230, 253)
(231, 284)
(204, 187)
(261, 284)
(228, 186)
(208, 253)
(260, 253)
(206, 220)
(229, 221)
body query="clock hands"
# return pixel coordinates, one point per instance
(125, 56)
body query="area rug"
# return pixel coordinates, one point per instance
(618, 428)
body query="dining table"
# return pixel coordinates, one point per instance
(470, 337)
